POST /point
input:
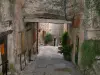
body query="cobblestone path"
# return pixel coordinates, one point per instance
(50, 62)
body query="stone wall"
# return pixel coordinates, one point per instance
(44, 8)
(18, 24)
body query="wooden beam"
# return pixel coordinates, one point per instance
(46, 20)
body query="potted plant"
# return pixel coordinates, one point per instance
(66, 47)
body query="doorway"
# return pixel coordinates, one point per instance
(3, 50)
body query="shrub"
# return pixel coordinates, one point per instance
(66, 47)
(65, 39)
(90, 49)
(47, 38)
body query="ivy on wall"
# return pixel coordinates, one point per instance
(90, 49)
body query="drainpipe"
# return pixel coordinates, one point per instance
(65, 9)
(37, 36)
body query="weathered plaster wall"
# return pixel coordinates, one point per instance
(18, 23)
(18, 26)
(10, 49)
(5, 10)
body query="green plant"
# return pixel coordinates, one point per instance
(65, 39)
(67, 52)
(66, 47)
(97, 47)
(48, 38)
(90, 49)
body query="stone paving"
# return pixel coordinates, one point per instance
(50, 62)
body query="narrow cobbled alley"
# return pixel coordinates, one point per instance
(49, 37)
(50, 62)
